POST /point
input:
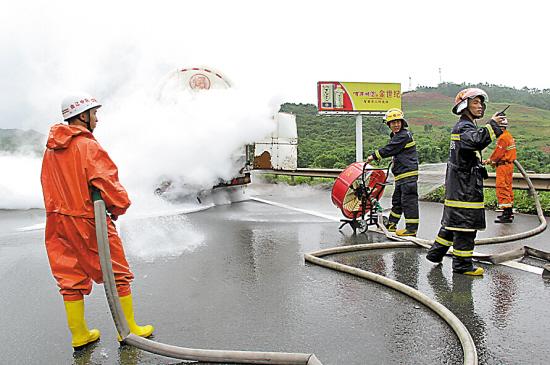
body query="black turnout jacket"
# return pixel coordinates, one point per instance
(402, 148)
(464, 209)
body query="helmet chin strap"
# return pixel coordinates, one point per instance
(89, 121)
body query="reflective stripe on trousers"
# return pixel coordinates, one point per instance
(405, 201)
(463, 248)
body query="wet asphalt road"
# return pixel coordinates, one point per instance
(234, 277)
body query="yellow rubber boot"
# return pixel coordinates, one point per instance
(391, 227)
(477, 271)
(405, 233)
(81, 335)
(128, 309)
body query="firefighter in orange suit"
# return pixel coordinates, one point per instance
(74, 163)
(503, 158)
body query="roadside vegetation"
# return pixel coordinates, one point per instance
(298, 180)
(523, 201)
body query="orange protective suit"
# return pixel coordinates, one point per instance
(73, 163)
(503, 157)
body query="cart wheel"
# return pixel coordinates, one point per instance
(385, 220)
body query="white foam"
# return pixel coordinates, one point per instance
(162, 236)
(34, 227)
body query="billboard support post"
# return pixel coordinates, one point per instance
(358, 138)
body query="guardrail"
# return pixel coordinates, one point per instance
(541, 182)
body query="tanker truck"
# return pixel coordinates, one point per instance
(277, 151)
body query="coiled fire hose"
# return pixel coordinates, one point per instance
(467, 343)
(504, 256)
(248, 357)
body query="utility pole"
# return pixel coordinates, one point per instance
(410, 83)
(440, 79)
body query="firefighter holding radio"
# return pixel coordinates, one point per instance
(464, 210)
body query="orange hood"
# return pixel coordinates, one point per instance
(61, 135)
(73, 163)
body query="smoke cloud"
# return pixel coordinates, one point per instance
(190, 137)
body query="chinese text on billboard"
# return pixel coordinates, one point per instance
(334, 96)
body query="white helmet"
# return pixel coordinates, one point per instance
(461, 99)
(77, 103)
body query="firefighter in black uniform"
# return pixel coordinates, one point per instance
(402, 148)
(464, 211)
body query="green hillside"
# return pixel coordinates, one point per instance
(530, 126)
(329, 141)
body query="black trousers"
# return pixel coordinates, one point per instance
(463, 248)
(405, 200)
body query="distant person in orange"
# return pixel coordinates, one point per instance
(503, 158)
(74, 164)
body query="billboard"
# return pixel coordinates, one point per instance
(357, 97)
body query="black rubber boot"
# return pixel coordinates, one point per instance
(436, 252)
(433, 257)
(463, 249)
(506, 217)
(463, 265)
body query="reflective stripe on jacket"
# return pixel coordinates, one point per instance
(402, 148)
(464, 209)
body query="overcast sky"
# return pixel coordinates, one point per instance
(276, 49)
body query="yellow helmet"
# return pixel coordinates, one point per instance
(395, 114)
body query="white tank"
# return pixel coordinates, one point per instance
(280, 150)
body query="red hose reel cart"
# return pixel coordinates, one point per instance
(356, 192)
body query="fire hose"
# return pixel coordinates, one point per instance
(467, 343)
(504, 256)
(249, 357)
(182, 353)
